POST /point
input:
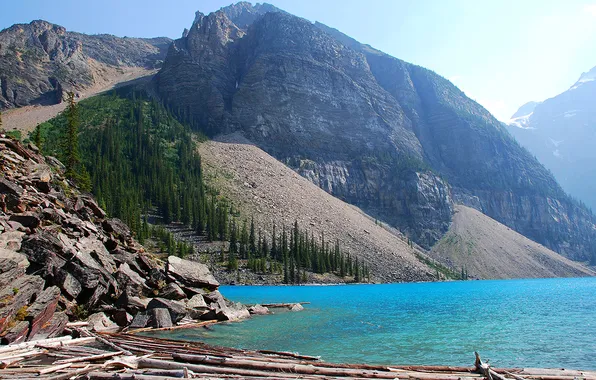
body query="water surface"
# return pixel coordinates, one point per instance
(519, 323)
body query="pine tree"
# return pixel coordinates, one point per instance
(72, 138)
(244, 241)
(1, 125)
(251, 239)
(37, 137)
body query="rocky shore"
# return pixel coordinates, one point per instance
(63, 260)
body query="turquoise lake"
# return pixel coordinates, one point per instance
(513, 323)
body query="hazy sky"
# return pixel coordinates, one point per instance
(501, 53)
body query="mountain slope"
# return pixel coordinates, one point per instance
(260, 185)
(561, 132)
(40, 61)
(488, 249)
(394, 139)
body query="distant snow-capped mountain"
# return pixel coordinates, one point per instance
(561, 133)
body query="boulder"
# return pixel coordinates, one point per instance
(197, 302)
(173, 292)
(296, 307)
(132, 303)
(9, 187)
(17, 333)
(130, 281)
(116, 227)
(16, 296)
(54, 327)
(68, 283)
(234, 312)
(11, 240)
(258, 310)
(177, 309)
(122, 318)
(159, 317)
(93, 206)
(141, 320)
(191, 273)
(42, 310)
(100, 322)
(27, 219)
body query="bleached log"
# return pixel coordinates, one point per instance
(89, 358)
(20, 346)
(46, 370)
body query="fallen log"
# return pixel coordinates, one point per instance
(46, 370)
(89, 358)
(128, 376)
(280, 305)
(33, 343)
(485, 369)
(184, 326)
(305, 369)
(290, 354)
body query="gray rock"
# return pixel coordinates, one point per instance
(159, 317)
(141, 320)
(173, 292)
(177, 309)
(100, 322)
(258, 310)
(191, 273)
(296, 307)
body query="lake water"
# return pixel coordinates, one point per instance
(514, 323)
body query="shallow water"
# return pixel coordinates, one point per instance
(527, 323)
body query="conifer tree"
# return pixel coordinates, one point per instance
(72, 137)
(251, 239)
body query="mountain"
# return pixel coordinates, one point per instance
(260, 185)
(397, 140)
(41, 61)
(561, 133)
(485, 248)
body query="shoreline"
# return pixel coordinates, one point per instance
(129, 356)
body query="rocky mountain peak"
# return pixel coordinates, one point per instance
(244, 14)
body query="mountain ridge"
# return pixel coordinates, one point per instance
(41, 61)
(395, 139)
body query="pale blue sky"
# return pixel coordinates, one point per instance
(502, 53)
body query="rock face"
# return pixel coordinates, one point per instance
(560, 133)
(393, 138)
(40, 61)
(62, 258)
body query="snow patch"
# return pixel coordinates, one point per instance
(522, 122)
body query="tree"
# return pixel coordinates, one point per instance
(72, 138)
(37, 137)
(1, 129)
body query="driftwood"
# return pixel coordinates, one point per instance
(162, 359)
(280, 305)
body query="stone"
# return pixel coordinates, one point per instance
(29, 219)
(99, 322)
(16, 334)
(258, 310)
(141, 320)
(191, 273)
(122, 318)
(11, 240)
(68, 283)
(130, 280)
(117, 228)
(160, 317)
(17, 295)
(54, 327)
(296, 307)
(177, 309)
(9, 187)
(133, 304)
(42, 310)
(92, 204)
(173, 292)
(197, 302)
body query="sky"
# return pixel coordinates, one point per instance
(501, 53)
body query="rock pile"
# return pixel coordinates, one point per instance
(62, 259)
